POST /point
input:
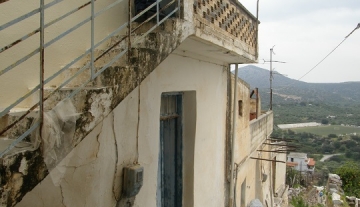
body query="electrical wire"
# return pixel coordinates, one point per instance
(358, 26)
(323, 59)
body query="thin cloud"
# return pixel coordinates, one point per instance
(304, 32)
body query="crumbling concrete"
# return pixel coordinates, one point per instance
(93, 104)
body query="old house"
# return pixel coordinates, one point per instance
(300, 162)
(98, 109)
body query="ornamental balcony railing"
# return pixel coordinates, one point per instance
(231, 18)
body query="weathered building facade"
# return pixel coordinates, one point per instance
(301, 162)
(109, 95)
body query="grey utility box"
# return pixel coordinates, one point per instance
(133, 180)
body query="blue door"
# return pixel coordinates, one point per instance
(170, 157)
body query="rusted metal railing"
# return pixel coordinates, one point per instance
(90, 64)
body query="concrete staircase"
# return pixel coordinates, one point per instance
(30, 161)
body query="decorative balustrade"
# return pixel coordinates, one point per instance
(229, 16)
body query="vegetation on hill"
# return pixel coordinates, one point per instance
(327, 103)
(325, 130)
(296, 101)
(347, 93)
(316, 112)
(317, 144)
(350, 176)
(348, 148)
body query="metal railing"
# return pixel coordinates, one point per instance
(90, 64)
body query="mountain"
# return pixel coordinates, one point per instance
(287, 90)
(297, 101)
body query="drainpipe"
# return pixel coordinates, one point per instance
(231, 197)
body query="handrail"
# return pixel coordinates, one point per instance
(45, 26)
(27, 15)
(89, 64)
(19, 139)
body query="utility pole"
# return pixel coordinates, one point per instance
(271, 73)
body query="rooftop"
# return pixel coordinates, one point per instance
(291, 164)
(311, 162)
(297, 155)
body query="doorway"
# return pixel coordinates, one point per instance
(170, 156)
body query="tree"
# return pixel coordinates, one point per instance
(350, 176)
(356, 155)
(336, 158)
(326, 148)
(337, 144)
(348, 153)
(332, 135)
(325, 121)
(292, 177)
(291, 132)
(356, 138)
(350, 144)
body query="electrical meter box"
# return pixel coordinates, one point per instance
(133, 180)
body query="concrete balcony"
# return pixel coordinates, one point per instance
(228, 26)
(261, 128)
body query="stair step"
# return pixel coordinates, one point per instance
(17, 112)
(21, 126)
(21, 146)
(94, 102)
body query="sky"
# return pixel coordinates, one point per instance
(304, 32)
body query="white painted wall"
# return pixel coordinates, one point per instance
(90, 172)
(302, 164)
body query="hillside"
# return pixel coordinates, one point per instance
(288, 90)
(296, 101)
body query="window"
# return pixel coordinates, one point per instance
(240, 105)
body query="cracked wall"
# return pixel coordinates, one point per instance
(93, 169)
(97, 100)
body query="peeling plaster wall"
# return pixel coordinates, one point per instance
(267, 185)
(93, 175)
(249, 138)
(280, 170)
(243, 141)
(255, 188)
